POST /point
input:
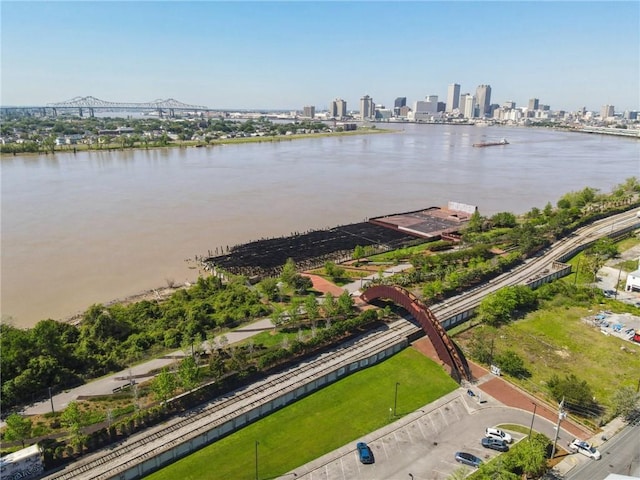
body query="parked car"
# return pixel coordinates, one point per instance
(468, 459)
(585, 448)
(365, 453)
(495, 444)
(498, 434)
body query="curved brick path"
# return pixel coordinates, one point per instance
(496, 387)
(323, 285)
(506, 393)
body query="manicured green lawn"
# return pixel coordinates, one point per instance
(338, 414)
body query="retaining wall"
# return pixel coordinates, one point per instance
(225, 426)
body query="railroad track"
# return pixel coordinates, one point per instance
(108, 463)
(113, 461)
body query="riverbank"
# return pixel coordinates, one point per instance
(111, 147)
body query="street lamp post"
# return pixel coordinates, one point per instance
(395, 401)
(257, 443)
(532, 418)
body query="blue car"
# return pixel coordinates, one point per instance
(365, 453)
(468, 459)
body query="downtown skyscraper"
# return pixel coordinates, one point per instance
(483, 99)
(453, 97)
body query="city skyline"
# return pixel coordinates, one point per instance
(269, 55)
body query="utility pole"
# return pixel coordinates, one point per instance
(532, 418)
(618, 282)
(561, 416)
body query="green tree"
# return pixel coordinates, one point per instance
(268, 286)
(531, 456)
(475, 222)
(216, 365)
(164, 385)
(482, 344)
(18, 428)
(577, 394)
(512, 364)
(504, 219)
(311, 307)
(500, 306)
(293, 312)
(289, 271)
(301, 283)
(358, 252)
(72, 419)
(345, 303)
(329, 305)
(333, 271)
(625, 401)
(278, 315)
(188, 373)
(604, 247)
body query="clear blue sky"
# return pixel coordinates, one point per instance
(291, 54)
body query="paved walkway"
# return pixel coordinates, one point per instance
(137, 373)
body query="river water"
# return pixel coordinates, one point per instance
(91, 227)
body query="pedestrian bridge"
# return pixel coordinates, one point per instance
(448, 352)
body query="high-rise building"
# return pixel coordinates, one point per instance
(367, 107)
(483, 96)
(453, 97)
(463, 102)
(509, 104)
(398, 104)
(607, 111)
(309, 111)
(534, 103)
(338, 108)
(470, 106)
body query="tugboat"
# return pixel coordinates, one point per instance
(491, 144)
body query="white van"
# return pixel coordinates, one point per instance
(498, 434)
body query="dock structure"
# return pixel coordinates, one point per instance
(265, 257)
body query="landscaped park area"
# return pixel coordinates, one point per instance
(338, 414)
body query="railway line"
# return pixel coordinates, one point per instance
(113, 461)
(109, 463)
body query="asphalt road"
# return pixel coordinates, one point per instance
(620, 454)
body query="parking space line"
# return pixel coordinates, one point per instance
(420, 427)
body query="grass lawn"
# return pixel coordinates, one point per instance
(557, 341)
(338, 414)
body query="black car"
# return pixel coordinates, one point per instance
(495, 444)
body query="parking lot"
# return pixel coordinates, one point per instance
(422, 445)
(622, 325)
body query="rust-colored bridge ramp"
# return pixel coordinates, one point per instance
(446, 349)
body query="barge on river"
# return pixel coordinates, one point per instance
(491, 144)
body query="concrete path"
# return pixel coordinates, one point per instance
(137, 373)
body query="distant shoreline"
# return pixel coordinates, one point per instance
(197, 144)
